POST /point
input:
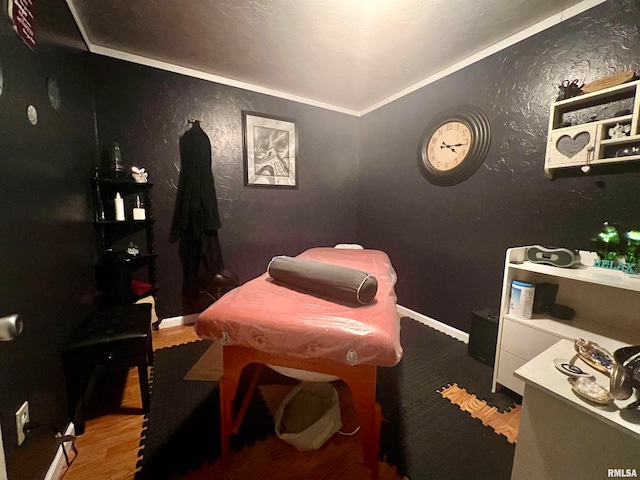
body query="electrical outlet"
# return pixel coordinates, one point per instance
(22, 418)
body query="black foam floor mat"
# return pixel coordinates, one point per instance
(423, 434)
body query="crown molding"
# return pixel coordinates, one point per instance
(512, 40)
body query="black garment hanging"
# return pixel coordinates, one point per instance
(195, 217)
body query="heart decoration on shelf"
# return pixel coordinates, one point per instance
(570, 147)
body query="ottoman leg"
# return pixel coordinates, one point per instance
(78, 405)
(143, 377)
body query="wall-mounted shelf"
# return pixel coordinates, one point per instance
(579, 128)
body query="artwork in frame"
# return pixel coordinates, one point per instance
(270, 151)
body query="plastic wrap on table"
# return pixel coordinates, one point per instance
(274, 318)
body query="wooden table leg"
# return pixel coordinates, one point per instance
(363, 390)
(361, 380)
(228, 386)
(253, 383)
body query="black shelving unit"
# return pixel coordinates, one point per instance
(116, 268)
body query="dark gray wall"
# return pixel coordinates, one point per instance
(147, 110)
(46, 240)
(448, 243)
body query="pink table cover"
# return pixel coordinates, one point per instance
(273, 318)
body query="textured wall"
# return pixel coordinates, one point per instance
(47, 243)
(448, 243)
(146, 110)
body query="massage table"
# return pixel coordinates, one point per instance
(269, 323)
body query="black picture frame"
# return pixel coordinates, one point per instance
(270, 151)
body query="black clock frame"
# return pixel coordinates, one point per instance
(480, 129)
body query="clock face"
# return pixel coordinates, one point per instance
(454, 145)
(449, 146)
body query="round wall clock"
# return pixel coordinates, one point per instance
(53, 92)
(32, 114)
(454, 145)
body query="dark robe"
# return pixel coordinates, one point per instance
(196, 220)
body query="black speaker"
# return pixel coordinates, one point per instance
(483, 336)
(544, 297)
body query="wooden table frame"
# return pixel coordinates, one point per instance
(361, 380)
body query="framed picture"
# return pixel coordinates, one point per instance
(270, 151)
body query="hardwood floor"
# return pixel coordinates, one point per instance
(108, 450)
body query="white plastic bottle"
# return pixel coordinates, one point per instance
(138, 211)
(119, 203)
(521, 301)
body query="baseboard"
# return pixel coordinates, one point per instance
(430, 322)
(179, 321)
(58, 463)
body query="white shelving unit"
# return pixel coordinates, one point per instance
(588, 142)
(606, 302)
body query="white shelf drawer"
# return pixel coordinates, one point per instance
(523, 341)
(508, 364)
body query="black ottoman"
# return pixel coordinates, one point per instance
(109, 339)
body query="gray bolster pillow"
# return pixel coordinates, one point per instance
(343, 284)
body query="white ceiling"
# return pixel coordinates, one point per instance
(346, 55)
